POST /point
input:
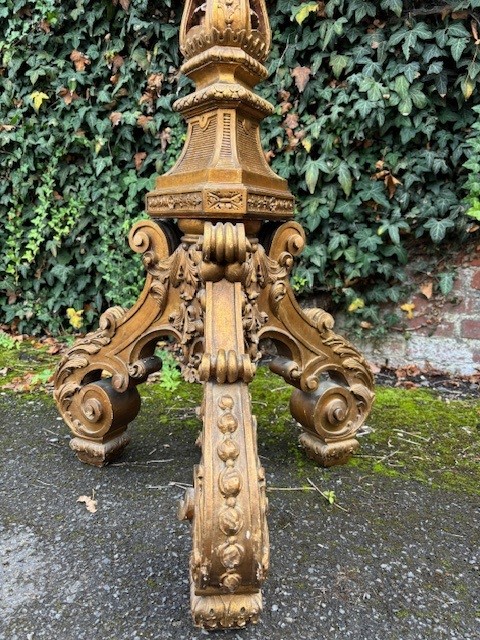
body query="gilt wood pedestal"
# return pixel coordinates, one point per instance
(218, 249)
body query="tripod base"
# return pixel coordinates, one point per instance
(218, 292)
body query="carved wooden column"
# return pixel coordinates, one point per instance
(218, 282)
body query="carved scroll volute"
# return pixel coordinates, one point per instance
(235, 23)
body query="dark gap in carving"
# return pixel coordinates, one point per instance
(254, 15)
(198, 14)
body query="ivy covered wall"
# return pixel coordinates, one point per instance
(374, 122)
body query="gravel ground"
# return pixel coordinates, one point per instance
(402, 564)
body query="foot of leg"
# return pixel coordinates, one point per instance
(226, 611)
(328, 455)
(99, 454)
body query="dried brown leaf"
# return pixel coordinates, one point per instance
(89, 502)
(79, 59)
(44, 26)
(301, 76)
(165, 138)
(67, 95)
(117, 62)
(144, 121)
(155, 82)
(427, 289)
(139, 159)
(291, 121)
(115, 118)
(475, 32)
(391, 183)
(366, 325)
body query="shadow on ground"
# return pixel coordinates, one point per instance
(401, 563)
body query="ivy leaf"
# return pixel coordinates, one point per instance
(408, 308)
(435, 67)
(402, 86)
(38, 97)
(302, 13)
(419, 99)
(405, 106)
(394, 5)
(438, 228)
(356, 305)
(364, 107)
(311, 175)
(441, 83)
(345, 178)
(457, 47)
(445, 282)
(338, 64)
(307, 145)
(75, 317)
(468, 87)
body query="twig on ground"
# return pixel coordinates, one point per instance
(170, 484)
(140, 464)
(389, 455)
(53, 444)
(325, 495)
(46, 484)
(414, 435)
(290, 489)
(50, 432)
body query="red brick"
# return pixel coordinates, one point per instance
(422, 305)
(461, 305)
(418, 323)
(476, 280)
(471, 329)
(445, 330)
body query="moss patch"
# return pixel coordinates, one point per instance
(416, 433)
(18, 360)
(419, 435)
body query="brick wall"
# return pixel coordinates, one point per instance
(442, 334)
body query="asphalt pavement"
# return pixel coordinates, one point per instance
(393, 560)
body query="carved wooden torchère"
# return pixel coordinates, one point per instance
(217, 283)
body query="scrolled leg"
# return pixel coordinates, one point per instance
(95, 383)
(334, 385)
(228, 505)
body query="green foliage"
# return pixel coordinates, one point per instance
(7, 343)
(374, 144)
(473, 165)
(170, 377)
(86, 89)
